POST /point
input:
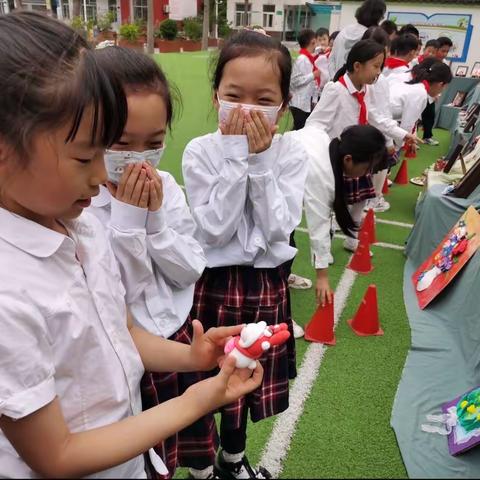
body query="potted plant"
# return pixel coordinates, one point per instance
(130, 36)
(104, 27)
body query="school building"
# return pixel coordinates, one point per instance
(125, 10)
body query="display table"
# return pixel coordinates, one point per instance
(444, 359)
(446, 115)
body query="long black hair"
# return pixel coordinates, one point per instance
(366, 145)
(138, 72)
(248, 43)
(49, 76)
(432, 70)
(362, 52)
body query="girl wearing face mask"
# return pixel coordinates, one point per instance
(354, 153)
(152, 235)
(245, 189)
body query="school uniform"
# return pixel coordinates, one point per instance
(397, 71)
(160, 261)
(408, 101)
(64, 333)
(342, 45)
(303, 87)
(322, 63)
(245, 207)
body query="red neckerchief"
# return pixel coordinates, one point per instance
(421, 58)
(426, 84)
(312, 58)
(360, 96)
(392, 62)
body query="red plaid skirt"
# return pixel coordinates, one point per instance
(226, 296)
(358, 189)
(196, 445)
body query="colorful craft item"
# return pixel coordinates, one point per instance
(254, 340)
(468, 410)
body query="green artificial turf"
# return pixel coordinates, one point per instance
(344, 431)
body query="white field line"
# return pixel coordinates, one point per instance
(278, 445)
(392, 246)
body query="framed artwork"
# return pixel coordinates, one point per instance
(452, 158)
(461, 71)
(470, 124)
(448, 259)
(474, 109)
(459, 98)
(476, 70)
(468, 183)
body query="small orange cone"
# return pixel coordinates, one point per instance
(361, 261)
(320, 328)
(369, 226)
(402, 174)
(410, 151)
(385, 187)
(365, 322)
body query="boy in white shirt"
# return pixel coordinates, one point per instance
(305, 79)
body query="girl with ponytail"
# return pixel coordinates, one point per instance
(333, 163)
(408, 100)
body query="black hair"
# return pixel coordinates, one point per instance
(432, 43)
(334, 35)
(48, 77)
(362, 52)
(432, 70)
(377, 34)
(138, 72)
(366, 145)
(404, 44)
(389, 27)
(321, 32)
(442, 41)
(252, 44)
(305, 37)
(409, 28)
(370, 12)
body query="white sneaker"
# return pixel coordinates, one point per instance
(379, 204)
(431, 141)
(297, 330)
(296, 281)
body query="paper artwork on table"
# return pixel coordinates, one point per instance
(450, 256)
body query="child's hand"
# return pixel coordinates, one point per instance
(228, 386)
(156, 189)
(235, 123)
(206, 350)
(322, 289)
(411, 138)
(134, 186)
(259, 132)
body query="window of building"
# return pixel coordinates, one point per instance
(90, 8)
(112, 7)
(140, 10)
(65, 9)
(240, 14)
(3, 6)
(268, 14)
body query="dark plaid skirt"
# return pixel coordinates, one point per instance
(196, 445)
(358, 189)
(226, 296)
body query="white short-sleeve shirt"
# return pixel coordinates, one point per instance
(64, 333)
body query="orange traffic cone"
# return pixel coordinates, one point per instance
(361, 261)
(320, 328)
(410, 151)
(369, 226)
(402, 174)
(365, 322)
(385, 187)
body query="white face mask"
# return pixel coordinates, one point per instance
(116, 161)
(226, 107)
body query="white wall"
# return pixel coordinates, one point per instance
(349, 8)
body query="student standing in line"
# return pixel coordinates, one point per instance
(245, 188)
(402, 51)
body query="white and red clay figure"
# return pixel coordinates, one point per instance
(254, 340)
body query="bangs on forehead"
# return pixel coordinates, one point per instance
(91, 88)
